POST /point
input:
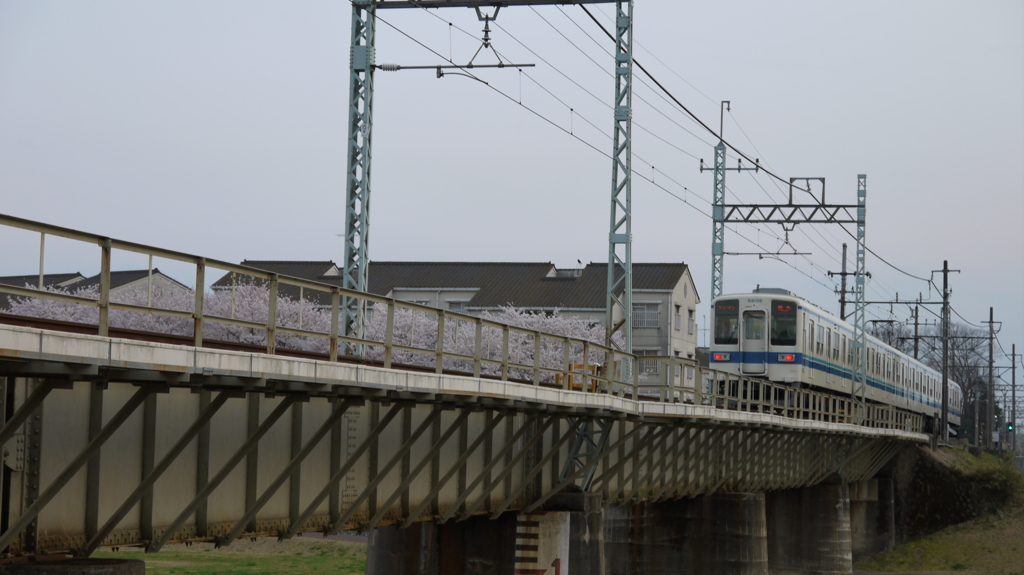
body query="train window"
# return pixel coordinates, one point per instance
(783, 323)
(820, 348)
(727, 317)
(753, 326)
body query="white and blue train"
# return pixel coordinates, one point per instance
(777, 335)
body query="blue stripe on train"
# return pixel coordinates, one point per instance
(736, 357)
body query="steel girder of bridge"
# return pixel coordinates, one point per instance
(114, 442)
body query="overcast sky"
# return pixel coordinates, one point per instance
(218, 128)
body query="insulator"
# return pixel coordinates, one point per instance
(389, 67)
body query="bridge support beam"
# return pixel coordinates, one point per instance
(809, 530)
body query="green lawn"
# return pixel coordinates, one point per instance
(265, 556)
(992, 544)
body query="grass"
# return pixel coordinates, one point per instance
(265, 556)
(993, 544)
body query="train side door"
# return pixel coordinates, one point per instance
(754, 343)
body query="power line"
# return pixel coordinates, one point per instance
(734, 148)
(470, 75)
(577, 84)
(588, 144)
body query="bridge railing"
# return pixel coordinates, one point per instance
(396, 334)
(683, 380)
(414, 336)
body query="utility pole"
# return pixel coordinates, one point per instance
(991, 384)
(842, 289)
(1013, 395)
(944, 418)
(917, 313)
(991, 389)
(944, 429)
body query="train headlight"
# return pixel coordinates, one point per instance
(720, 356)
(787, 358)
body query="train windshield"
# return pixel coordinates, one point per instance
(727, 317)
(783, 323)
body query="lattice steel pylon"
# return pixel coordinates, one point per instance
(789, 215)
(619, 295)
(357, 202)
(718, 224)
(718, 205)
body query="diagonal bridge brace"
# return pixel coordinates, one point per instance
(77, 463)
(286, 473)
(459, 463)
(225, 470)
(150, 479)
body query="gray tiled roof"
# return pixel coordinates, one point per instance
(525, 285)
(522, 284)
(121, 278)
(32, 281)
(117, 279)
(310, 270)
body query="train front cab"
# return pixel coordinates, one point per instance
(741, 344)
(756, 336)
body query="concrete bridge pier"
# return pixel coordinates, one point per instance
(718, 534)
(872, 517)
(476, 546)
(809, 530)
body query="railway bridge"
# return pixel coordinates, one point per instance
(564, 460)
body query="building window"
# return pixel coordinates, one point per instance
(691, 325)
(645, 315)
(678, 319)
(457, 306)
(647, 366)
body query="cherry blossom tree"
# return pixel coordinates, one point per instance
(412, 328)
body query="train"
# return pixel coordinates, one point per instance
(774, 334)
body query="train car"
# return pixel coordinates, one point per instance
(774, 334)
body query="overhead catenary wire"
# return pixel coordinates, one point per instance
(663, 140)
(597, 98)
(690, 114)
(469, 74)
(729, 145)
